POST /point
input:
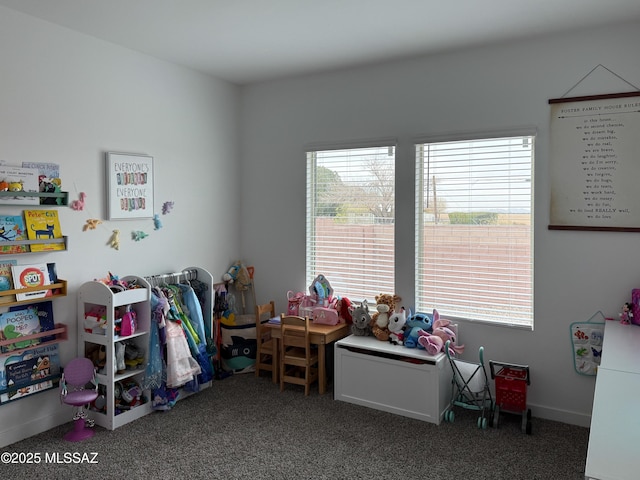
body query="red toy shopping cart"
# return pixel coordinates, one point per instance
(511, 392)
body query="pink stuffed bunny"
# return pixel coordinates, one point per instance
(442, 331)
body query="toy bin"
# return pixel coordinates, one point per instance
(511, 383)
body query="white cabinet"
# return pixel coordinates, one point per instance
(96, 300)
(392, 378)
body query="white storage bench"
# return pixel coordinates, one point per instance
(392, 378)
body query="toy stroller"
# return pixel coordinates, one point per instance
(511, 392)
(470, 385)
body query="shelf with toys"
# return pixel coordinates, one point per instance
(16, 243)
(52, 199)
(113, 331)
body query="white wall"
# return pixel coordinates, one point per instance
(498, 87)
(68, 98)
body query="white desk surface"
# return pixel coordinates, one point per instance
(615, 427)
(621, 348)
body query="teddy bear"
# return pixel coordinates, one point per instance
(397, 322)
(385, 305)
(361, 319)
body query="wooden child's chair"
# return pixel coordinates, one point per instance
(267, 351)
(298, 361)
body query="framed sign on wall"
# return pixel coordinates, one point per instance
(129, 186)
(594, 162)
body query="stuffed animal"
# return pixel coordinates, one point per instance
(361, 318)
(343, 306)
(415, 323)
(385, 305)
(231, 274)
(238, 275)
(397, 322)
(443, 331)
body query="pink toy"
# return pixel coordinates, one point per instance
(79, 204)
(442, 331)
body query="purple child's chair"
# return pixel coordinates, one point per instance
(78, 373)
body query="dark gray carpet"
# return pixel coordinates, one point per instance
(244, 428)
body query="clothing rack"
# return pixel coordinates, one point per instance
(188, 275)
(184, 276)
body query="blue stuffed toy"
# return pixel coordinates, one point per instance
(415, 323)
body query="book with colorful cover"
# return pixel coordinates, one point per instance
(11, 230)
(25, 276)
(17, 324)
(19, 179)
(18, 371)
(43, 225)
(6, 279)
(45, 315)
(48, 180)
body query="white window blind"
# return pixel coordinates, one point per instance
(474, 229)
(351, 219)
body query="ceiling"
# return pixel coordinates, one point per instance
(247, 41)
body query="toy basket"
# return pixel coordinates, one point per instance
(511, 392)
(511, 388)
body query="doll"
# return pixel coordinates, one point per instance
(627, 314)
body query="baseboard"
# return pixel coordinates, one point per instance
(563, 416)
(33, 427)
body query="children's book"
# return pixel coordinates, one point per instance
(18, 371)
(25, 276)
(48, 180)
(6, 279)
(43, 225)
(45, 315)
(19, 179)
(17, 324)
(11, 230)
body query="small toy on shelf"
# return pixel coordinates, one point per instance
(626, 316)
(16, 186)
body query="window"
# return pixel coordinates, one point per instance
(474, 252)
(351, 219)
